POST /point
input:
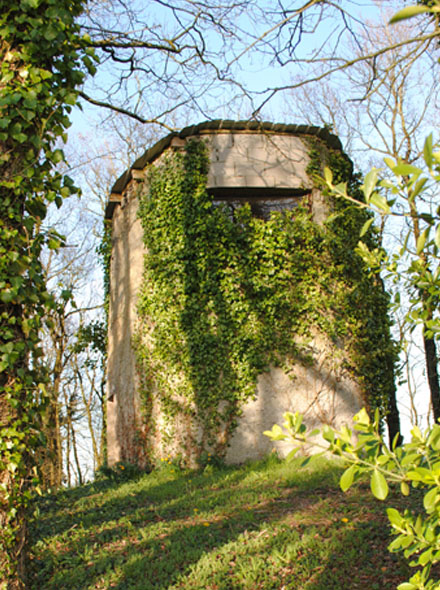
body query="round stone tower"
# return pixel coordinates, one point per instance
(265, 165)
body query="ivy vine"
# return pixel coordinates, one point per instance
(225, 296)
(373, 352)
(104, 251)
(43, 60)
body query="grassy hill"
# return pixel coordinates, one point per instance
(264, 526)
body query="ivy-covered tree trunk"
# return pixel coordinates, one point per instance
(40, 71)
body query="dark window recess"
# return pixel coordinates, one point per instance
(263, 201)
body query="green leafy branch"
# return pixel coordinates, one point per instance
(413, 465)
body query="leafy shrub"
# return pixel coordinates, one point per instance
(120, 471)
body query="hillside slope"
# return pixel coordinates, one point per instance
(264, 526)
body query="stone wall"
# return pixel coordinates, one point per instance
(257, 160)
(125, 278)
(321, 391)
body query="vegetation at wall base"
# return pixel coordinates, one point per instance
(227, 295)
(262, 526)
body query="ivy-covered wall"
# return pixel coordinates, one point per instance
(226, 298)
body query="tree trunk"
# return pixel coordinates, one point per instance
(431, 359)
(88, 401)
(393, 420)
(76, 457)
(432, 374)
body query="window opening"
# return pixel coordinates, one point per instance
(263, 201)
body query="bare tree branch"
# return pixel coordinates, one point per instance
(343, 66)
(123, 111)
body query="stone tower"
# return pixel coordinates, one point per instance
(264, 165)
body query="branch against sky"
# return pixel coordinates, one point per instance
(223, 59)
(347, 39)
(383, 106)
(158, 58)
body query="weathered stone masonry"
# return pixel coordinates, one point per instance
(265, 165)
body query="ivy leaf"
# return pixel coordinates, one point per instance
(7, 295)
(379, 486)
(29, 3)
(53, 244)
(50, 33)
(20, 137)
(57, 156)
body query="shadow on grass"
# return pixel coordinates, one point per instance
(236, 528)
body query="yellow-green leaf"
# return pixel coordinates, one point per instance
(379, 486)
(347, 478)
(328, 175)
(406, 170)
(437, 236)
(404, 488)
(408, 12)
(427, 150)
(276, 433)
(421, 241)
(366, 227)
(430, 500)
(380, 202)
(389, 162)
(370, 182)
(362, 417)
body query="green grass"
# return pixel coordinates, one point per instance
(268, 526)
